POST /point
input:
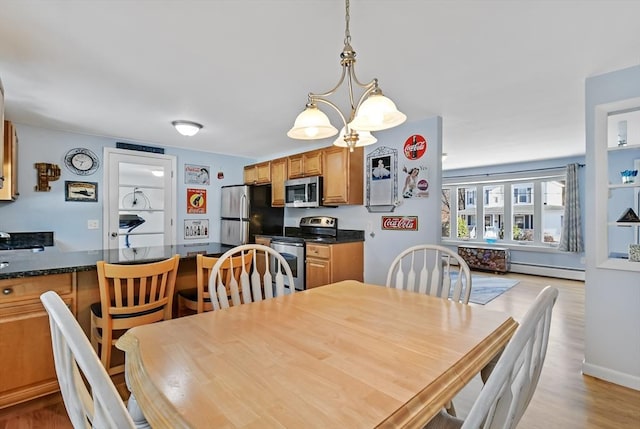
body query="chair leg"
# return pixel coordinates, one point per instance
(450, 409)
(105, 350)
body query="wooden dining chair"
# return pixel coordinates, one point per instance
(198, 299)
(130, 295)
(251, 281)
(510, 387)
(97, 405)
(431, 269)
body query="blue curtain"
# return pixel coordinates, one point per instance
(571, 239)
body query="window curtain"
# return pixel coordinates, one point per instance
(571, 239)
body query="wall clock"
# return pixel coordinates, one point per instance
(81, 161)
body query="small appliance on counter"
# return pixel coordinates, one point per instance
(246, 212)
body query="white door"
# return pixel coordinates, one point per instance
(140, 202)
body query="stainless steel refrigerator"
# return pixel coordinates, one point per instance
(246, 212)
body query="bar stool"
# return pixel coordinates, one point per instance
(130, 295)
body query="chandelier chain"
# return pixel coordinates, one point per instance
(347, 32)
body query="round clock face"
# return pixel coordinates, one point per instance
(81, 161)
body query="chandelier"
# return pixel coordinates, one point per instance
(371, 112)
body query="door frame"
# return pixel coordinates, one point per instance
(111, 154)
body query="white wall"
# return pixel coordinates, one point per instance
(48, 211)
(612, 297)
(380, 249)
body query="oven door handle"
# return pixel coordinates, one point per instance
(288, 243)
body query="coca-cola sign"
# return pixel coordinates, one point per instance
(400, 223)
(415, 147)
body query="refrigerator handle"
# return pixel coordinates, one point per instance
(244, 205)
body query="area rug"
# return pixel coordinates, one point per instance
(486, 288)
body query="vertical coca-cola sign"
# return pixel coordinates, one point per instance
(400, 223)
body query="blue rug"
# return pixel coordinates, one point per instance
(486, 288)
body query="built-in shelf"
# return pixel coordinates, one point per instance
(625, 147)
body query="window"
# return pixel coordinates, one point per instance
(466, 212)
(515, 208)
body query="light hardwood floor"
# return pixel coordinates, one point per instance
(564, 397)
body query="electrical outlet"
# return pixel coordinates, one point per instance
(93, 224)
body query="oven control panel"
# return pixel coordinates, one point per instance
(319, 221)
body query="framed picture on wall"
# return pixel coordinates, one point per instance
(196, 174)
(196, 228)
(81, 191)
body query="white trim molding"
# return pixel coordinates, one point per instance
(610, 375)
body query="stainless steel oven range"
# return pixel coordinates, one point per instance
(292, 245)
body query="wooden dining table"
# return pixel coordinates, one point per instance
(345, 355)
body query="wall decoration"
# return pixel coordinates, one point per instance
(414, 147)
(400, 223)
(414, 185)
(196, 228)
(382, 180)
(46, 173)
(196, 201)
(196, 174)
(81, 161)
(81, 191)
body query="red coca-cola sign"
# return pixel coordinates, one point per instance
(401, 223)
(415, 147)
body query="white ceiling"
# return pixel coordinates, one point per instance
(506, 76)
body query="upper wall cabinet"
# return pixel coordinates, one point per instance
(9, 190)
(278, 176)
(258, 174)
(306, 164)
(342, 172)
(343, 176)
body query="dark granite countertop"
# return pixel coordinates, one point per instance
(25, 263)
(343, 236)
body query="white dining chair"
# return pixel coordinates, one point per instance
(508, 391)
(99, 405)
(267, 276)
(431, 269)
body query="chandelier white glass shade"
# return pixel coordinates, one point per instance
(371, 112)
(360, 138)
(312, 124)
(187, 128)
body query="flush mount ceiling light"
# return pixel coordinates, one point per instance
(187, 128)
(372, 111)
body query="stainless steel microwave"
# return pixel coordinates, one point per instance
(303, 192)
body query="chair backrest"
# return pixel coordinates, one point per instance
(249, 284)
(143, 289)
(507, 392)
(428, 269)
(229, 273)
(74, 358)
(204, 264)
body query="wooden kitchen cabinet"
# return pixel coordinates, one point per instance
(330, 263)
(9, 190)
(278, 176)
(27, 369)
(257, 174)
(306, 164)
(343, 176)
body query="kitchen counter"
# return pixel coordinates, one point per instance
(25, 263)
(343, 236)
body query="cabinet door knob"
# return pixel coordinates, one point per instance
(114, 234)
(7, 291)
